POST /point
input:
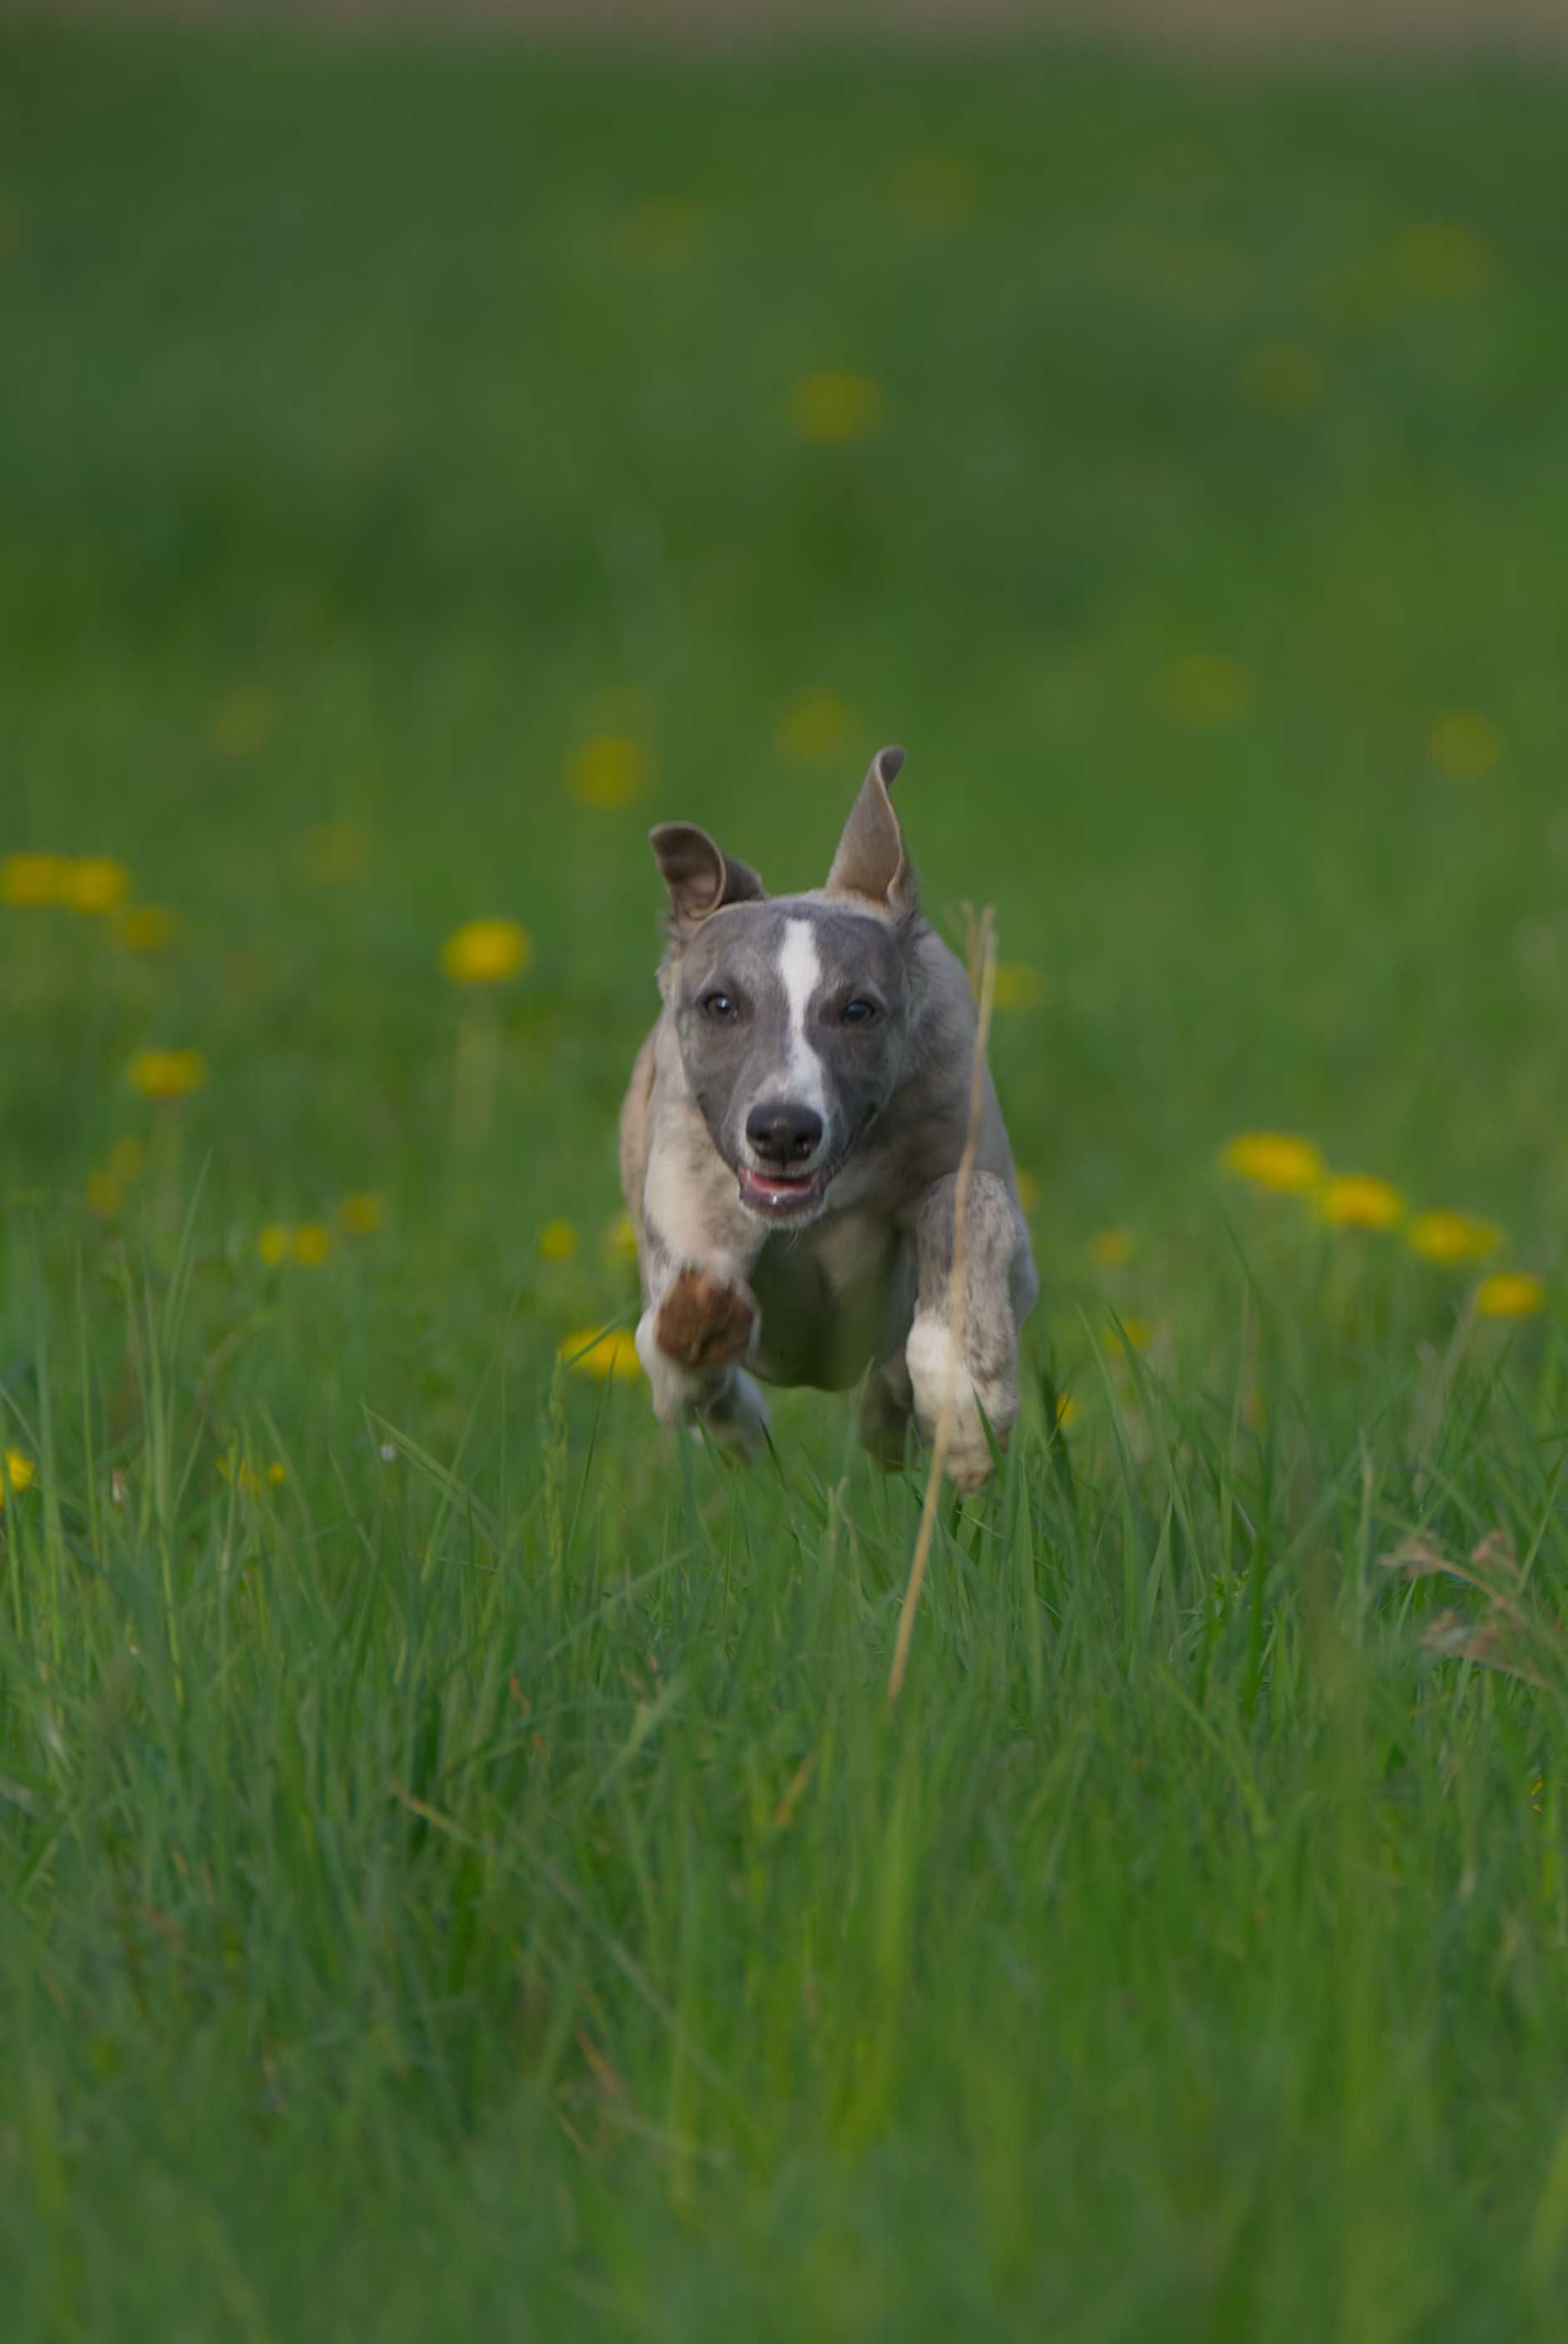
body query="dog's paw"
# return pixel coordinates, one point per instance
(969, 1464)
(738, 1417)
(938, 1376)
(703, 1322)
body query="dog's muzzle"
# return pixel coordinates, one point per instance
(783, 1181)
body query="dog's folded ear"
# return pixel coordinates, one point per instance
(701, 877)
(871, 862)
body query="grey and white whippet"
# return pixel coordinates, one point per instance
(788, 1152)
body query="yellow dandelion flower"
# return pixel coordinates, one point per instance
(363, 1214)
(167, 1073)
(1020, 986)
(932, 192)
(833, 409)
(243, 721)
(657, 233)
(1510, 1294)
(103, 1195)
(1440, 260)
(32, 879)
(1113, 1248)
(312, 1245)
(1465, 744)
(608, 770)
(486, 952)
(1028, 1189)
(1140, 1332)
(20, 1472)
(1204, 687)
(1357, 1201)
(814, 727)
(601, 1353)
(1452, 1237)
(1067, 1411)
(128, 1158)
(558, 1241)
(273, 1243)
(94, 884)
(1284, 378)
(144, 928)
(253, 1478)
(621, 1239)
(1278, 1160)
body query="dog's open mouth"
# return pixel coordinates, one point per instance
(782, 1194)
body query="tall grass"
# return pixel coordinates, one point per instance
(424, 1910)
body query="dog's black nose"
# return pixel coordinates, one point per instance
(783, 1133)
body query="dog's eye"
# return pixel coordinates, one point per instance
(859, 1012)
(718, 1004)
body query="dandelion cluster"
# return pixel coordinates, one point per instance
(93, 885)
(307, 1244)
(1283, 1163)
(252, 1478)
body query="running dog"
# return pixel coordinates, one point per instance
(788, 1152)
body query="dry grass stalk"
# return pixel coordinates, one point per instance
(1492, 1568)
(1503, 1640)
(986, 992)
(1454, 1638)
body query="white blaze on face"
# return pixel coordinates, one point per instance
(801, 970)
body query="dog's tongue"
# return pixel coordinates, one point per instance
(780, 1188)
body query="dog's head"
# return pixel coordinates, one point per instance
(792, 1012)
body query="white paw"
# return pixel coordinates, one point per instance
(938, 1375)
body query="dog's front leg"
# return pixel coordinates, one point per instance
(701, 1318)
(691, 1338)
(976, 1366)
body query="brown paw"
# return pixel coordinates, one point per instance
(702, 1322)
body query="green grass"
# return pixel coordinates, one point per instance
(472, 1883)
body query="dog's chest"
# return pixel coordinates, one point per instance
(826, 1297)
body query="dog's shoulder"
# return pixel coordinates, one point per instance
(636, 1128)
(942, 1027)
(932, 1111)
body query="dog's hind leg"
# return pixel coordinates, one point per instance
(885, 1407)
(737, 1415)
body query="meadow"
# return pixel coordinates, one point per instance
(461, 1872)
